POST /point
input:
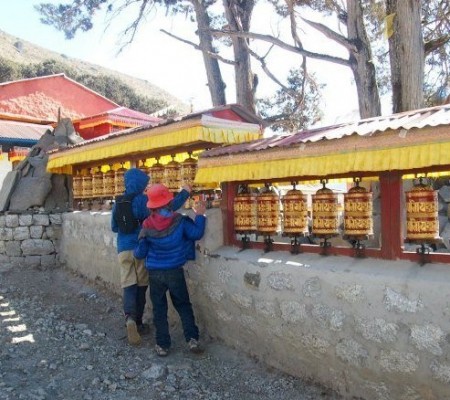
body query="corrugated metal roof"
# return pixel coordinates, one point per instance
(21, 130)
(433, 116)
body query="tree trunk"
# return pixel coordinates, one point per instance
(406, 53)
(238, 14)
(361, 62)
(213, 73)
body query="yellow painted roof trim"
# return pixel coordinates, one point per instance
(399, 158)
(62, 162)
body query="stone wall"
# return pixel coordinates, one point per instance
(372, 329)
(30, 239)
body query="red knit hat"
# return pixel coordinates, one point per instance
(158, 196)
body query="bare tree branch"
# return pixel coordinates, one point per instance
(281, 44)
(432, 45)
(197, 47)
(330, 34)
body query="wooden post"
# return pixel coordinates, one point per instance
(228, 193)
(391, 190)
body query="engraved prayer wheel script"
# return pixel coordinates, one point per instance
(109, 183)
(119, 185)
(245, 212)
(77, 187)
(325, 217)
(358, 220)
(97, 183)
(268, 208)
(295, 212)
(172, 175)
(156, 173)
(422, 223)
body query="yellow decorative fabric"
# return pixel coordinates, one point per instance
(401, 158)
(61, 162)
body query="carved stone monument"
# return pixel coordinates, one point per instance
(29, 186)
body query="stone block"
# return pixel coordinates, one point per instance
(2, 221)
(6, 234)
(12, 220)
(36, 231)
(13, 249)
(55, 219)
(21, 233)
(41, 219)
(52, 232)
(25, 219)
(34, 247)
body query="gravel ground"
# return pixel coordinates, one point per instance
(63, 338)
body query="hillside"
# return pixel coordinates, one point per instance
(20, 51)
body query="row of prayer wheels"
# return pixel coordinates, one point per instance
(260, 213)
(97, 184)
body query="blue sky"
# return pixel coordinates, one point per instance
(161, 60)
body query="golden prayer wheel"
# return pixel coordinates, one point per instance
(295, 213)
(325, 218)
(172, 175)
(77, 186)
(119, 183)
(358, 220)
(86, 186)
(109, 183)
(156, 173)
(422, 223)
(188, 170)
(268, 211)
(245, 211)
(97, 183)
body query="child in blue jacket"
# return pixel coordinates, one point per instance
(166, 242)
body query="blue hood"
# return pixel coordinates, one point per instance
(135, 181)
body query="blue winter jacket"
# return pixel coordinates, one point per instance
(172, 246)
(135, 182)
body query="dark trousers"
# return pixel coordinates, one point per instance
(134, 302)
(173, 281)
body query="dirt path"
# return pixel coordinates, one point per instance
(62, 338)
